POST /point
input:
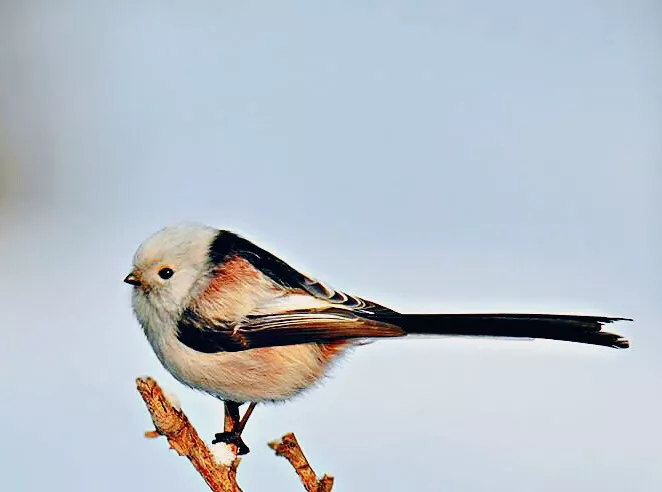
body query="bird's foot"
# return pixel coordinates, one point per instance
(232, 438)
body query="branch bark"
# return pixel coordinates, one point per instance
(183, 438)
(288, 447)
(172, 423)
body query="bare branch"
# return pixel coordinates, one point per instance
(184, 439)
(289, 448)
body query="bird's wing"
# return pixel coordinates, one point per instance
(253, 299)
(271, 330)
(297, 288)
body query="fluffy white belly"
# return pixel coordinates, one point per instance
(273, 373)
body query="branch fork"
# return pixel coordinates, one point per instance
(173, 424)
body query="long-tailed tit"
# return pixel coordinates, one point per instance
(227, 317)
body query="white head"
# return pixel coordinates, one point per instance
(166, 268)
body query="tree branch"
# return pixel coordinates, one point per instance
(288, 447)
(183, 438)
(172, 423)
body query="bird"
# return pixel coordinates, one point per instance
(231, 319)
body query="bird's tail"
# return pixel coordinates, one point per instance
(571, 328)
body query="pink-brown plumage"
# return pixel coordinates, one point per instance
(234, 290)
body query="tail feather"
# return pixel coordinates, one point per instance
(571, 328)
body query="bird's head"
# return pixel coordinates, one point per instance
(167, 267)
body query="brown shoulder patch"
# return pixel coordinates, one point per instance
(235, 289)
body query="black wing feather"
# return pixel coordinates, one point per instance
(293, 328)
(228, 245)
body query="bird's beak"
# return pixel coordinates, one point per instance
(131, 279)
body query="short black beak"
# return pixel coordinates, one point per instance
(131, 279)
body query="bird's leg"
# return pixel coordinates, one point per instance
(231, 433)
(247, 415)
(231, 415)
(234, 426)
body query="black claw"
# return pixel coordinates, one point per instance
(232, 438)
(242, 449)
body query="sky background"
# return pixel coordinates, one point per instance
(429, 155)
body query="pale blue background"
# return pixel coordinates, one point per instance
(467, 155)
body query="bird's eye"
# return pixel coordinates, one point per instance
(166, 273)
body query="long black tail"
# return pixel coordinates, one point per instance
(571, 328)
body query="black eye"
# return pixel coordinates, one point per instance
(166, 273)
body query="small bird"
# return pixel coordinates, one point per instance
(227, 317)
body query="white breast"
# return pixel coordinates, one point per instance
(272, 373)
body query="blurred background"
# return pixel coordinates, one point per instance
(430, 155)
